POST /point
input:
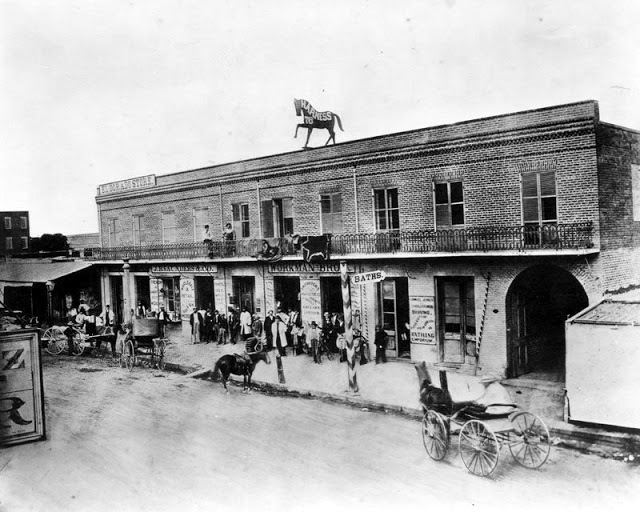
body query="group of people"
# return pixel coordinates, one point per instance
(228, 240)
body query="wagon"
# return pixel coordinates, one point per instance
(142, 343)
(56, 338)
(482, 429)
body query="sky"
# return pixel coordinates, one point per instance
(98, 91)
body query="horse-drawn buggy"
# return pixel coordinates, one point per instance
(142, 342)
(58, 338)
(483, 425)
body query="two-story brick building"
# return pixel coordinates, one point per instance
(14, 232)
(490, 232)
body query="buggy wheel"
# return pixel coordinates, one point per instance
(479, 449)
(532, 444)
(77, 347)
(435, 436)
(55, 339)
(128, 355)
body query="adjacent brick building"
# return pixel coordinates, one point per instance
(14, 233)
(491, 232)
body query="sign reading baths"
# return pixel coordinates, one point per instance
(368, 277)
(133, 183)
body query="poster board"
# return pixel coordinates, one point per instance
(310, 304)
(21, 391)
(422, 318)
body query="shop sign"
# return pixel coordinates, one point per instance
(130, 184)
(422, 317)
(368, 277)
(295, 267)
(185, 268)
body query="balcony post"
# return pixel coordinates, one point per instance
(127, 307)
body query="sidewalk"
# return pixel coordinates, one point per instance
(393, 388)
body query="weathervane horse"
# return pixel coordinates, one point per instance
(238, 365)
(314, 119)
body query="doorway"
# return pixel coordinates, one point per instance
(117, 298)
(287, 292)
(538, 302)
(393, 314)
(204, 296)
(331, 291)
(456, 317)
(243, 292)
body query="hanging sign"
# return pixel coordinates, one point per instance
(368, 277)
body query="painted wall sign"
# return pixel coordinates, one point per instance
(310, 305)
(635, 191)
(21, 400)
(130, 184)
(187, 296)
(422, 318)
(218, 295)
(154, 291)
(190, 268)
(298, 267)
(368, 277)
(269, 295)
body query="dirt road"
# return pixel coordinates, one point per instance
(149, 440)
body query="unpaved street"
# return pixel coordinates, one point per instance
(149, 440)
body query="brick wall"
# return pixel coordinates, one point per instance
(619, 261)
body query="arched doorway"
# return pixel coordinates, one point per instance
(538, 302)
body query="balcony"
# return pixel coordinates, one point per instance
(561, 237)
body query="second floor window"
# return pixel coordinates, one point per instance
(24, 242)
(138, 228)
(168, 227)
(277, 217)
(8, 243)
(7, 223)
(200, 220)
(449, 203)
(24, 223)
(386, 209)
(331, 213)
(539, 205)
(241, 220)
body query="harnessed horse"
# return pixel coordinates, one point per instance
(314, 119)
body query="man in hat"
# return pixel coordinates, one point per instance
(313, 338)
(279, 334)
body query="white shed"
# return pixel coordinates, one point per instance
(602, 364)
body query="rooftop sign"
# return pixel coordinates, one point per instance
(130, 184)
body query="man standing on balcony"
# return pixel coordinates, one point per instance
(228, 237)
(207, 240)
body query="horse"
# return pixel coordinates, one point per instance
(238, 365)
(314, 119)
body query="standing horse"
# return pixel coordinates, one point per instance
(238, 365)
(314, 119)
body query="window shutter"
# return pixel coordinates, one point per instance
(266, 213)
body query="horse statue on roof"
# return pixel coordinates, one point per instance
(314, 119)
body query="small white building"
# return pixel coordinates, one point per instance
(603, 352)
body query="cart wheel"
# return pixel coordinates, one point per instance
(55, 339)
(128, 355)
(78, 347)
(434, 435)
(161, 362)
(479, 449)
(532, 445)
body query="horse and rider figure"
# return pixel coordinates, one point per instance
(239, 365)
(314, 119)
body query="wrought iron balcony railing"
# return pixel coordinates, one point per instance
(478, 239)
